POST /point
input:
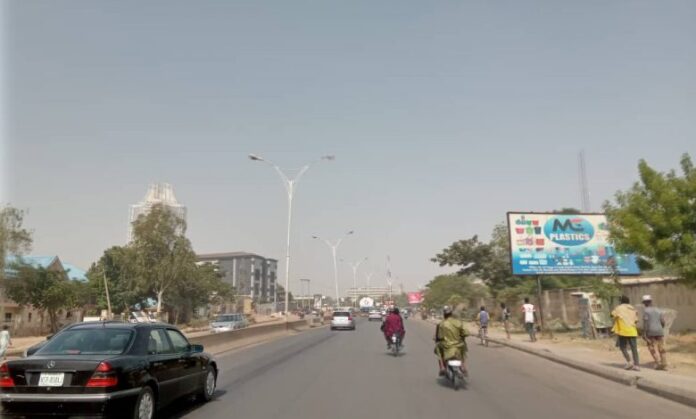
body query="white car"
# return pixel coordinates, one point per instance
(228, 322)
(342, 320)
(374, 315)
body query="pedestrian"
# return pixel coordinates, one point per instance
(625, 320)
(506, 319)
(5, 341)
(654, 332)
(529, 310)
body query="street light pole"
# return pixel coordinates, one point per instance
(355, 266)
(290, 185)
(334, 248)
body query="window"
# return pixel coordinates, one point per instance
(178, 340)
(89, 342)
(8, 317)
(29, 318)
(158, 344)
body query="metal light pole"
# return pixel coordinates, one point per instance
(306, 295)
(334, 247)
(355, 266)
(368, 278)
(290, 185)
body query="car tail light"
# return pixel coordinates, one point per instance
(350, 318)
(104, 376)
(5, 377)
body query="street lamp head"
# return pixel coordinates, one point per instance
(329, 157)
(255, 157)
(350, 232)
(315, 237)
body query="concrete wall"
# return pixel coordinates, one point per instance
(667, 294)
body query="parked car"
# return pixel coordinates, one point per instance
(119, 370)
(374, 315)
(227, 322)
(342, 320)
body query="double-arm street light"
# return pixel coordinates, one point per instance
(290, 184)
(333, 245)
(355, 266)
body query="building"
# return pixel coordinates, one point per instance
(157, 193)
(27, 320)
(251, 275)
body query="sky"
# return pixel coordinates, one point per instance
(442, 115)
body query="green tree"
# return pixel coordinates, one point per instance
(491, 261)
(14, 238)
(453, 289)
(205, 287)
(47, 290)
(163, 257)
(117, 266)
(656, 219)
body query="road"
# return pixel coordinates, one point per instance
(346, 374)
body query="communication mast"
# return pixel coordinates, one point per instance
(584, 189)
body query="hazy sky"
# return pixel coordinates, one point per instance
(443, 115)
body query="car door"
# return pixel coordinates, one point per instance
(164, 365)
(189, 363)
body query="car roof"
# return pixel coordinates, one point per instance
(117, 325)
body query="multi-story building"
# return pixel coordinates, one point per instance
(251, 275)
(157, 193)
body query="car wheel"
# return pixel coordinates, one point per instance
(145, 406)
(208, 389)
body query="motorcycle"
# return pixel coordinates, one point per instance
(454, 374)
(396, 344)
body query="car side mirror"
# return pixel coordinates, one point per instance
(49, 337)
(196, 349)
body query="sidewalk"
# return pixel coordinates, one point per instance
(678, 385)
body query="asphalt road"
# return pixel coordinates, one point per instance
(346, 374)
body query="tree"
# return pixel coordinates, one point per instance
(117, 264)
(205, 287)
(163, 255)
(656, 219)
(45, 289)
(14, 238)
(491, 261)
(453, 289)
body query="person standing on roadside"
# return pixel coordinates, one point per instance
(625, 320)
(654, 332)
(5, 341)
(529, 310)
(506, 319)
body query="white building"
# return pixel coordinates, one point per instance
(157, 193)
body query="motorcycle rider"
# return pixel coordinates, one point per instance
(450, 341)
(393, 324)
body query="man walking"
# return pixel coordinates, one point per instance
(529, 310)
(506, 319)
(654, 333)
(625, 320)
(5, 341)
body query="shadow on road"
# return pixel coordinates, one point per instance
(187, 405)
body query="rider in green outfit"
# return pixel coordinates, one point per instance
(450, 341)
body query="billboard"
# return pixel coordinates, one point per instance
(415, 298)
(564, 244)
(367, 302)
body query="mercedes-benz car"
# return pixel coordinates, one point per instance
(117, 370)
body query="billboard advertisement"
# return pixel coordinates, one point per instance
(564, 244)
(415, 298)
(366, 302)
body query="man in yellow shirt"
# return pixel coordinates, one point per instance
(625, 320)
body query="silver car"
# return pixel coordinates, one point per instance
(374, 315)
(342, 320)
(227, 322)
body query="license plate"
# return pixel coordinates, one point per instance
(54, 379)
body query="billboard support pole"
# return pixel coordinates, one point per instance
(541, 308)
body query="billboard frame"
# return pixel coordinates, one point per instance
(537, 275)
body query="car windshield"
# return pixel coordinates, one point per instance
(341, 314)
(227, 318)
(89, 342)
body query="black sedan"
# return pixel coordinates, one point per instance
(107, 370)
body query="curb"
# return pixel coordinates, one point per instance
(675, 394)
